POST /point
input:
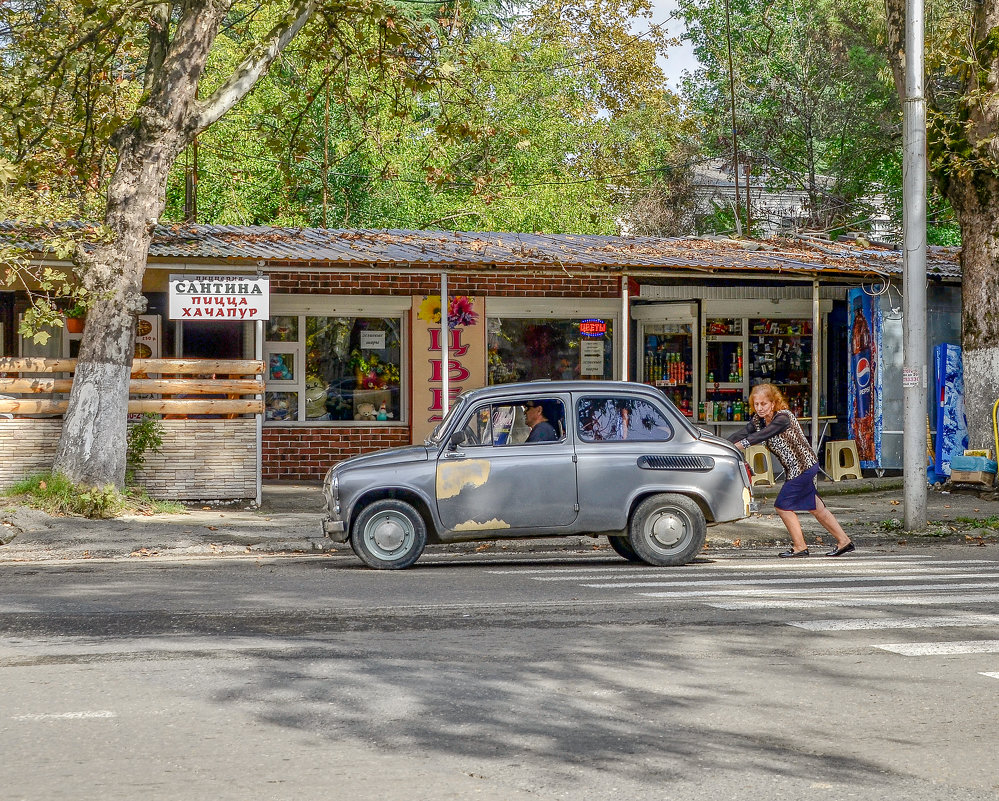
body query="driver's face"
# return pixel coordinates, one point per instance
(533, 415)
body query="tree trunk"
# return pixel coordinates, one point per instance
(91, 448)
(976, 202)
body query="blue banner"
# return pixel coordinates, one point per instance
(864, 393)
(952, 426)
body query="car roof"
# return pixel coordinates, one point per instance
(536, 388)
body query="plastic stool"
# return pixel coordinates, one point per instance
(842, 459)
(759, 464)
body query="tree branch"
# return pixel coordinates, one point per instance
(245, 76)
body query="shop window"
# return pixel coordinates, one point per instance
(615, 419)
(524, 349)
(333, 369)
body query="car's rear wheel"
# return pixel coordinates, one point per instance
(667, 530)
(389, 535)
(623, 548)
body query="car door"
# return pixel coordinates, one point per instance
(616, 433)
(496, 480)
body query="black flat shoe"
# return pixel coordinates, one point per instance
(840, 551)
(784, 554)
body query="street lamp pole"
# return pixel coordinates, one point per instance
(914, 348)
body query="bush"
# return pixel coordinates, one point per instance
(143, 436)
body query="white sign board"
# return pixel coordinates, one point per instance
(372, 340)
(232, 298)
(591, 357)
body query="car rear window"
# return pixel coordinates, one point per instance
(605, 419)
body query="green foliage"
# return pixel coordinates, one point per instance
(815, 109)
(519, 127)
(144, 436)
(56, 494)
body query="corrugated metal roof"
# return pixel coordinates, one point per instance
(318, 247)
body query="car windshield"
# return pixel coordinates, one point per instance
(442, 426)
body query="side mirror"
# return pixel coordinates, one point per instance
(456, 439)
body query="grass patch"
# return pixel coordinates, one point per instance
(992, 521)
(56, 494)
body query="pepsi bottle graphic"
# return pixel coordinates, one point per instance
(862, 363)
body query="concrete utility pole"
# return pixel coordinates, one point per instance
(914, 350)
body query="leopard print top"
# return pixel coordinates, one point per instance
(785, 439)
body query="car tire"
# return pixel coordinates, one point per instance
(389, 535)
(667, 530)
(623, 548)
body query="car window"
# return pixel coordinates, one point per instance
(503, 424)
(621, 418)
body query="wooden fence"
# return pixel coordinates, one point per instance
(187, 391)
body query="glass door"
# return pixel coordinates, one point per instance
(666, 361)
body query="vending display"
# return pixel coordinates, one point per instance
(739, 353)
(780, 353)
(724, 367)
(668, 362)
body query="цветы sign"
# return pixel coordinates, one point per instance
(219, 297)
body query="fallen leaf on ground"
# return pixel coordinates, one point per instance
(212, 528)
(484, 546)
(736, 543)
(895, 503)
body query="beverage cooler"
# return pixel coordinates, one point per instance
(667, 357)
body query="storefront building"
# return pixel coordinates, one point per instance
(360, 353)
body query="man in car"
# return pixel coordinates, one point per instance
(537, 414)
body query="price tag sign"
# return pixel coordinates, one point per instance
(910, 378)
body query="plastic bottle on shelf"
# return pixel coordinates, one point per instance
(700, 410)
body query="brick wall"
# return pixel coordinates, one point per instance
(305, 454)
(501, 283)
(201, 459)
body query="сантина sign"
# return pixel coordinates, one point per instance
(236, 298)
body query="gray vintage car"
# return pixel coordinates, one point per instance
(543, 459)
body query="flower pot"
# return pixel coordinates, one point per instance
(75, 324)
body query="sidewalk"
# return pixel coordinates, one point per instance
(287, 522)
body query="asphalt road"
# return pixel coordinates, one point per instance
(503, 676)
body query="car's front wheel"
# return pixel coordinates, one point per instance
(389, 535)
(623, 548)
(667, 530)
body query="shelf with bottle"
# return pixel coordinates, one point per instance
(732, 410)
(723, 364)
(780, 328)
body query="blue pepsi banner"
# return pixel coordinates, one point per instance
(864, 400)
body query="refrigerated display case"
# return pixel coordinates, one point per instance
(667, 358)
(724, 370)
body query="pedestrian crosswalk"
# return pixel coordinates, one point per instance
(890, 586)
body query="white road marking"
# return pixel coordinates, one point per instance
(807, 603)
(740, 563)
(942, 648)
(103, 713)
(870, 623)
(845, 574)
(991, 675)
(969, 585)
(753, 582)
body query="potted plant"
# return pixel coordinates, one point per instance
(76, 316)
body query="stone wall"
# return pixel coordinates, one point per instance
(200, 459)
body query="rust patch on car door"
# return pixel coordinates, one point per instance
(453, 477)
(488, 525)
